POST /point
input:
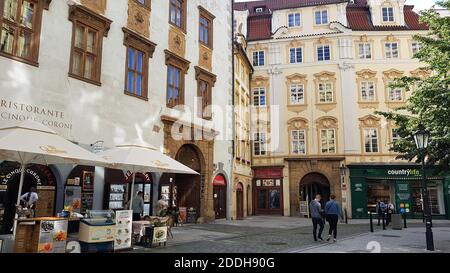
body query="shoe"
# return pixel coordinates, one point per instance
(321, 239)
(334, 240)
(328, 239)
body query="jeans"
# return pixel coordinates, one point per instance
(333, 221)
(317, 221)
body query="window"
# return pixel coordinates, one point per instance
(178, 13)
(371, 140)
(367, 91)
(391, 50)
(296, 55)
(388, 14)
(395, 135)
(298, 141)
(135, 71)
(145, 3)
(325, 93)
(258, 58)
(323, 53)
(395, 93)
(321, 17)
(174, 94)
(205, 83)
(138, 50)
(259, 96)
(415, 47)
(365, 51)
(206, 27)
(328, 141)
(259, 10)
(294, 20)
(260, 144)
(297, 94)
(87, 41)
(20, 29)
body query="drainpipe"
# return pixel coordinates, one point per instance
(233, 119)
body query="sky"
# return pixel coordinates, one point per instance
(418, 4)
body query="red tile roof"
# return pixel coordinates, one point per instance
(358, 16)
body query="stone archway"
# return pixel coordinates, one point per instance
(188, 189)
(313, 184)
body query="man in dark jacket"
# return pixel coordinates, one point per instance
(315, 209)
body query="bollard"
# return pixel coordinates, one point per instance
(383, 217)
(404, 220)
(371, 222)
(345, 215)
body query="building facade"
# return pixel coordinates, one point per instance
(241, 195)
(321, 72)
(101, 73)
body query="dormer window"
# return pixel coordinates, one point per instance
(294, 20)
(388, 14)
(321, 17)
(259, 10)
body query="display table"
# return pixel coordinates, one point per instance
(41, 235)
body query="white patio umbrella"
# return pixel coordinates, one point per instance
(33, 143)
(140, 158)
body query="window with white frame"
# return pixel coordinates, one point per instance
(297, 94)
(371, 140)
(294, 20)
(321, 17)
(258, 58)
(391, 50)
(395, 93)
(298, 140)
(364, 51)
(415, 47)
(328, 141)
(259, 144)
(395, 135)
(388, 14)
(326, 92)
(323, 53)
(296, 55)
(367, 91)
(259, 96)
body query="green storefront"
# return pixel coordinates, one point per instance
(399, 184)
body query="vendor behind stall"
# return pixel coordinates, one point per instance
(29, 200)
(138, 206)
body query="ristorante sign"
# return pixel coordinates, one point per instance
(14, 111)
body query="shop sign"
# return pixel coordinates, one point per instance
(271, 173)
(404, 172)
(360, 210)
(15, 172)
(403, 196)
(358, 187)
(160, 235)
(304, 208)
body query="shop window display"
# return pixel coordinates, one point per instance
(378, 192)
(79, 190)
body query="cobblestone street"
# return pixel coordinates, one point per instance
(274, 235)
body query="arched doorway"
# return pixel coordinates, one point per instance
(220, 196)
(186, 189)
(313, 184)
(38, 176)
(239, 201)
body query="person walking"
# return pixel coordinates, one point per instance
(138, 206)
(389, 211)
(315, 208)
(332, 212)
(381, 209)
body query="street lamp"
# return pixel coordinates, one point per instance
(421, 137)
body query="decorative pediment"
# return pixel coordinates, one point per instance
(327, 122)
(392, 74)
(296, 78)
(421, 73)
(295, 43)
(363, 39)
(258, 46)
(260, 81)
(90, 17)
(391, 38)
(174, 59)
(325, 76)
(298, 123)
(370, 121)
(366, 74)
(324, 40)
(204, 75)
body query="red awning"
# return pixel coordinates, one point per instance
(219, 180)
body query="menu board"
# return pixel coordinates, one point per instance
(46, 202)
(72, 198)
(53, 236)
(160, 235)
(87, 201)
(124, 223)
(304, 209)
(183, 214)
